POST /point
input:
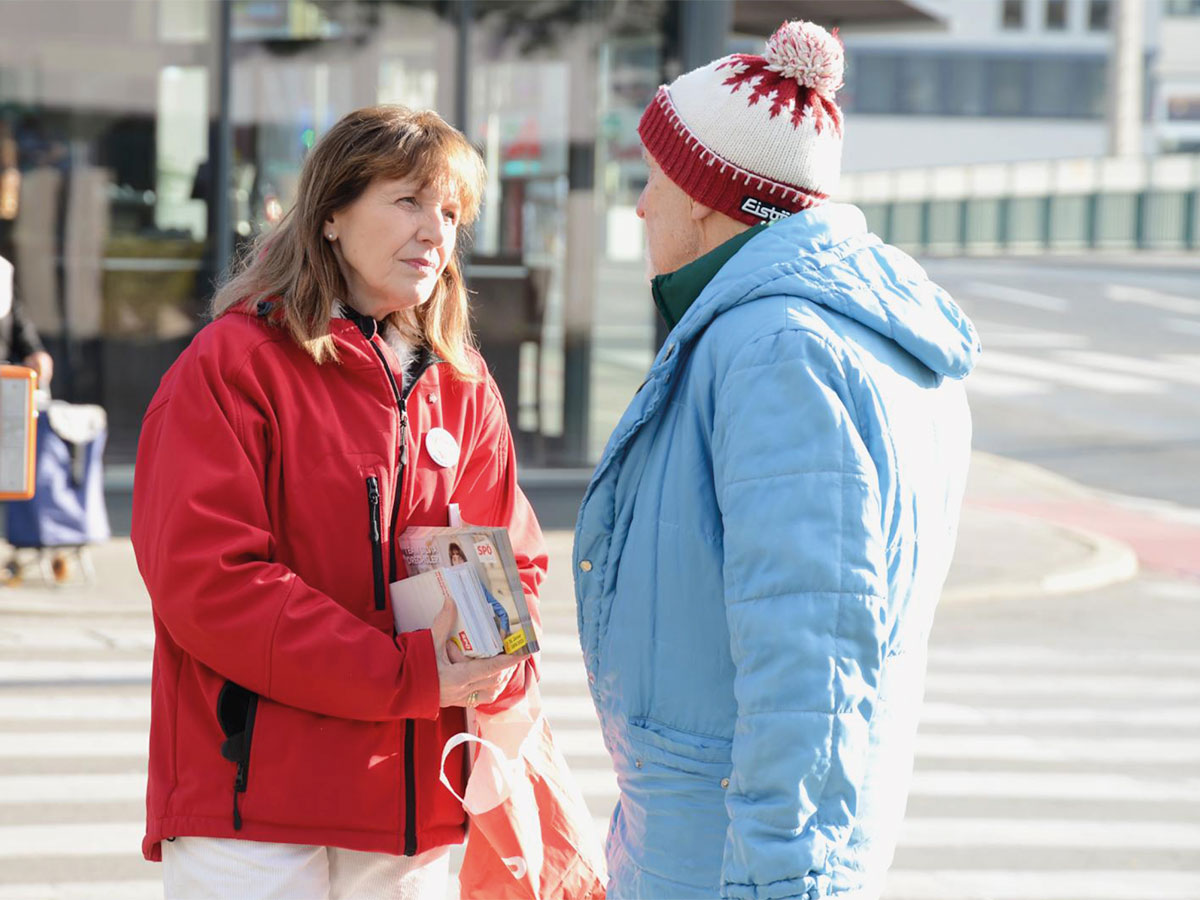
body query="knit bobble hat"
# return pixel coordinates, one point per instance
(754, 137)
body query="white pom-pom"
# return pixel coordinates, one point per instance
(807, 53)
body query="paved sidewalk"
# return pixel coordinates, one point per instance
(1002, 553)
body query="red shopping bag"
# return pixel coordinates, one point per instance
(531, 836)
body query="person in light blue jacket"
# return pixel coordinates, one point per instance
(761, 548)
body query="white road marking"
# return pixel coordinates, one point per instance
(1060, 884)
(1044, 833)
(1010, 684)
(67, 744)
(1076, 376)
(1048, 748)
(73, 670)
(120, 708)
(1173, 303)
(1168, 718)
(1183, 326)
(1026, 656)
(1055, 786)
(150, 889)
(43, 637)
(71, 789)
(63, 839)
(1005, 335)
(1019, 296)
(993, 384)
(1151, 368)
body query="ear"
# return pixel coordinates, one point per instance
(700, 212)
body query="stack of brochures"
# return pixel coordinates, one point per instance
(493, 616)
(417, 600)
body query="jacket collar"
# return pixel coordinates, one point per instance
(676, 291)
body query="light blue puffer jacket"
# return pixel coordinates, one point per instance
(757, 562)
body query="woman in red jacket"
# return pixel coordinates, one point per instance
(295, 740)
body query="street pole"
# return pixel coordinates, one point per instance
(222, 163)
(462, 98)
(1126, 79)
(704, 27)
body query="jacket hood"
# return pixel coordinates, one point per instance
(827, 256)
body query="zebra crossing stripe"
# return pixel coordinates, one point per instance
(1184, 326)
(1150, 368)
(42, 637)
(1048, 658)
(1062, 834)
(995, 384)
(150, 889)
(70, 744)
(76, 705)
(72, 670)
(65, 839)
(1055, 786)
(1059, 686)
(1076, 376)
(72, 789)
(1051, 748)
(1019, 296)
(1172, 303)
(1169, 718)
(1058, 884)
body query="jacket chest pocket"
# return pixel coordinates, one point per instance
(375, 533)
(333, 530)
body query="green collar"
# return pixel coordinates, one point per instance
(678, 290)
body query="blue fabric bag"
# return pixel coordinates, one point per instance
(67, 509)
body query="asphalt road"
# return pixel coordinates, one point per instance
(1091, 367)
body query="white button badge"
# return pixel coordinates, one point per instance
(442, 447)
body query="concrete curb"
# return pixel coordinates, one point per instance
(1108, 562)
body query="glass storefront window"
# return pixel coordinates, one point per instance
(108, 139)
(103, 129)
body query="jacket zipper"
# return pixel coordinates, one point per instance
(410, 771)
(236, 711)
(376, 542)
(241, 778)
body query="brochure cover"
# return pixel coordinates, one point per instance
(489, 550)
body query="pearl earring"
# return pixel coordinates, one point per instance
(329, 236)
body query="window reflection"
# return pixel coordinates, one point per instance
(107, 133)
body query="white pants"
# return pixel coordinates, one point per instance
(200, 868)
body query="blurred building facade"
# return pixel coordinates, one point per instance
(1002, 80)
(120, 119)
(1029, 126)
(112, 121)
(1176, 106)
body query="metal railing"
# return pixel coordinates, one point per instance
(1139, 203)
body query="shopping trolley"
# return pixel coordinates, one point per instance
(66, 513)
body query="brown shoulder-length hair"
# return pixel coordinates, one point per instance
(295, 264)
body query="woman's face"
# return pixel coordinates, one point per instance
(393, 243)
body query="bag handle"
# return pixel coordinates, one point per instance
(463, 738)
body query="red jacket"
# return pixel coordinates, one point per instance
(264, 519)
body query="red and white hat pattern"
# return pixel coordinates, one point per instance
(755, 137)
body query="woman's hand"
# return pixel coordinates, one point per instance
(467, 682)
